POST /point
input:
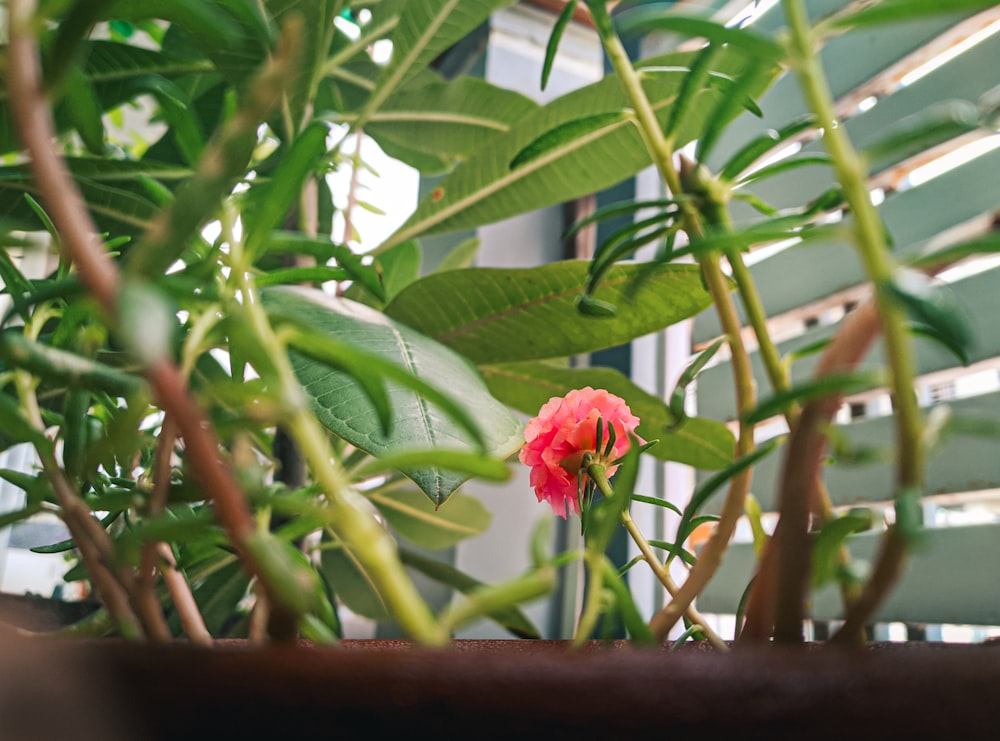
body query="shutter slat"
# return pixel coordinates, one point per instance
(810, 272)
(977, 296)
(928, 592)
(962, 463)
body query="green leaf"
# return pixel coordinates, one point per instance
(731, 105)
(494, 315)
(147, 321)
(760, 146)
(109, 188)
(268, 203)
(84, 110)
(920, 131)
(413, 517)
(346, 575)
(693, 82)
(419, 420)
(752, 44)
(66, 369)
(562, 22)
(116, 73)
(818, 388)
(622, 208)
(447, 121)
(679, 396)
(826, 547)
(698, 442)
(460, 257)
(712, 484)
(485, 190)
(426, 28)
(935, 309)
(511, 618)
(456, 461)
(893, 11)
(938, 259)
(219, 595)
(785, 165)
(572, 133)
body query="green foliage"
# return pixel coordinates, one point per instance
(201, 325)
(493, 315)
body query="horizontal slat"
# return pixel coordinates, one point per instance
(948, 579)
(813, 271)
(849, 61)
(961, 463)
(966, 77)
(978, 299)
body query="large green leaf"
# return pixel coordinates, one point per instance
(485, 189)
(448, 121)
(341, 404)
(420, 522)
(497, 315)
(426, 28)
(318, 33)
(349, 578)
(111, 189)
(117, 73)
(702, 443)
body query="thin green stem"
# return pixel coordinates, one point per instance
(661, 573)
(353, 521)
(660, 151)
(880, 268)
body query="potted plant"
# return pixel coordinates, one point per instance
(237, 428)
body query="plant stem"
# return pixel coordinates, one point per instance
(661, 573)
(880, 269)
(351, 519)
(660, 151)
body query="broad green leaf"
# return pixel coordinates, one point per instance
(413, 517)
(460, 257)
(698, 442)
(117, 73)
(496, 315)
(484, 190)
(84, 111)
(109, 188)
(456, 461)
(425, 29)
(445, 122)
(511, 618)
(417, 424)
(218, 596)
(347, 576)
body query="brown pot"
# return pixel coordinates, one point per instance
(505, 689)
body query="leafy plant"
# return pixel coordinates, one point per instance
(212, 424)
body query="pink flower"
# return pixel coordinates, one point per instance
(563, 431)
